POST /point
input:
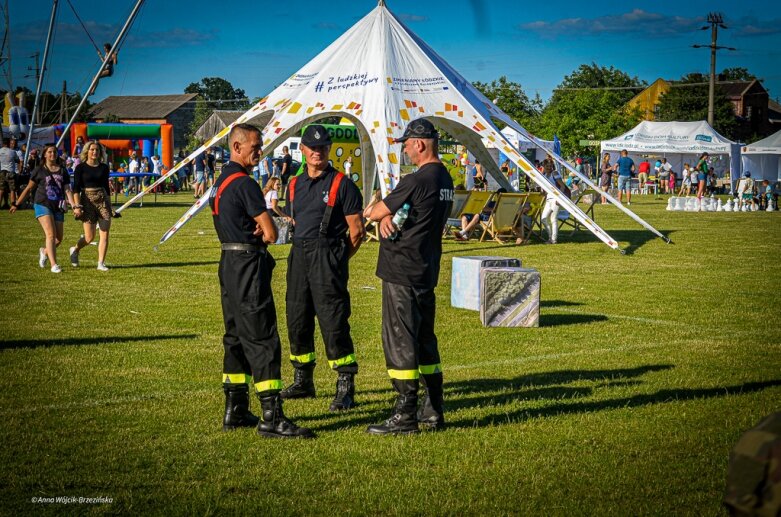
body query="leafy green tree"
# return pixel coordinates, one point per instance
(736, 74)
(510, 98)
(590, 103)
(202, 112)
(687, 100)
(213, 93)
(219, 93)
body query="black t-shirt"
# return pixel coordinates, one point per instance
(311, 198)
(86, 176)
(287, 159)
(240, 203)
(50, 187)
(413, 259)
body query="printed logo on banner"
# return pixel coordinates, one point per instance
(418, 84)
(703, 138)
(298, 80)
(628, 137)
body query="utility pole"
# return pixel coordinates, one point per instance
(5, 60)
(63, 116)
(37, 70)
(715, 20)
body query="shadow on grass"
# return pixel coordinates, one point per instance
(539, 386)
(168, 264)
(42, 343)
(636, 238)
(660, 397)
(555, 320)
(558, 303)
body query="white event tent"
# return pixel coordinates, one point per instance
(763, 158)
(523, 144)
(679, 142)
(380, 75)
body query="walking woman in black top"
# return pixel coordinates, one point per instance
(93, 201)
(53, 184)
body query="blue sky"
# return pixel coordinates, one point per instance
(258, 44)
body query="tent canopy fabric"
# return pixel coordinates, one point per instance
(380, 76)
(769, 145)
(679, 142)
(763, 158)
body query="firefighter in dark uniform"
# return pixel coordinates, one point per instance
(408, 265)
(324, 205)
(251, 341)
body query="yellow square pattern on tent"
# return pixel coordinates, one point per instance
(309, 110)
(295, 107)
(337, 107)
(393, 158)
(390, 81)
(376, 123)
(404, 114)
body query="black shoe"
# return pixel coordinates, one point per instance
(274, 424)
(303, 386)
(237, 413)
(345, 393)
(402, 421)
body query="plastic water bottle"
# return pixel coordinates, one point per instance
(399, 218)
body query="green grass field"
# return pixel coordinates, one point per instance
(644, 372)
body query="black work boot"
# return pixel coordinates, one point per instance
(432, 405)
(274, 424)
(404, 419)
(303, 386)
(345, 392)
(237, 413)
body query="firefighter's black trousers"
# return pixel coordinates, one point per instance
(408, 337)
(251, 339)
(317, 275)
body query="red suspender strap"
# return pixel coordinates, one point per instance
(334, 188)
(291, 191)
(335, 182)
(223, 185)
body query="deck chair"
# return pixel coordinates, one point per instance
(566, 219)
(454, 219)
(530, 221)
(372, 231)
(504, 221)
(474, 204)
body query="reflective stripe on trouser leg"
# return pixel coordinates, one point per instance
(300, 310)
(251, 338)
(347, 360)
(236, 378)
(269, 387)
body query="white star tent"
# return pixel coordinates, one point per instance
(380, 76)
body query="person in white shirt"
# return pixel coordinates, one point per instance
(133, 167)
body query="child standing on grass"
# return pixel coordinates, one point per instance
(671, 184)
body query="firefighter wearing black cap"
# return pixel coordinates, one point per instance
(251, 341)
(324, 206)
(408, 265)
